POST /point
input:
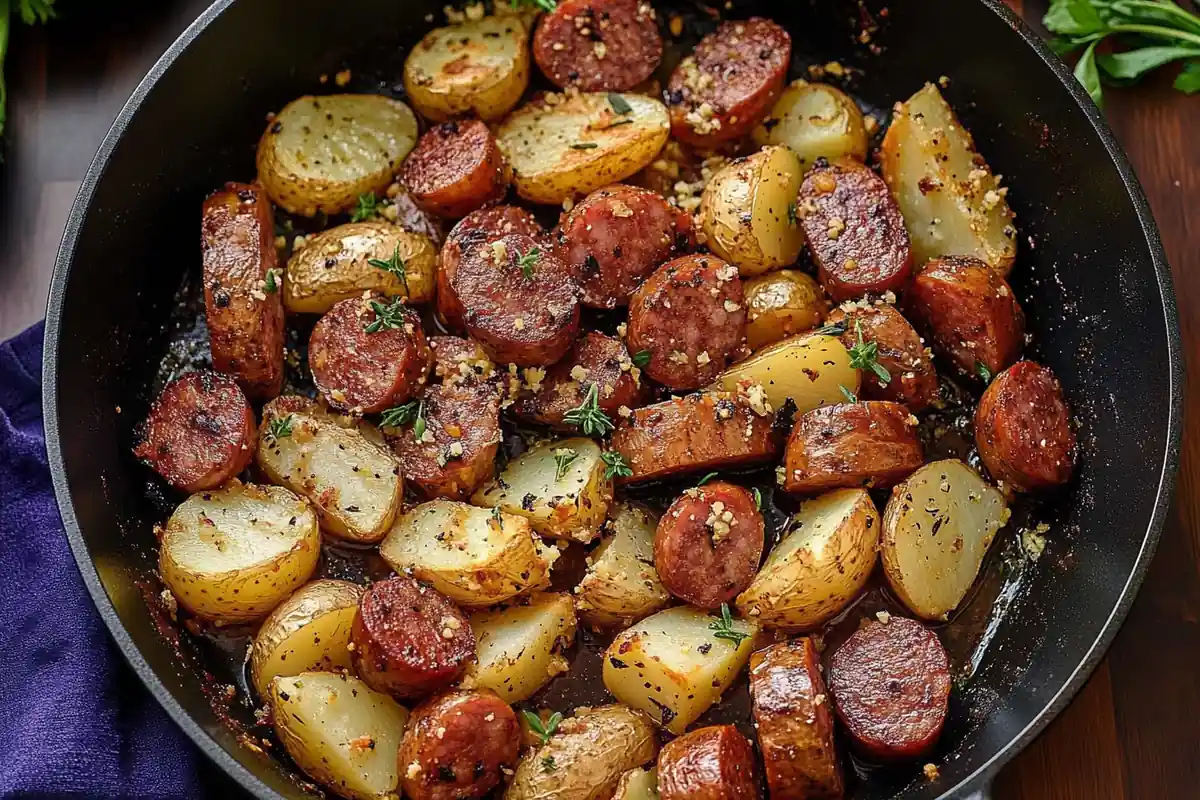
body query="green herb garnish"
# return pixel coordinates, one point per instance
(544, 5)
(496, 515)
(588, 417)
(279, 428)
(269, 283)
(527, 262)
(983, 372)
(864, 356)
(832, 329)
(706, 479)
(641, 358)
(543, 729)
(584, 146)
(619, 104)
(563, 458)
(548, 764)
(393, 315)
(791, 214)
(757, 499)
(850, 396)
(615, 465)
(412, 412)
(366, 208)
(394, 265)
(723, 628)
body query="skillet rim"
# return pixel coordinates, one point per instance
(977, 781)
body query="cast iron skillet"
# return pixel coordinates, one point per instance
(1091, 274)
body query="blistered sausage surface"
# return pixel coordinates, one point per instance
(598, 45)
(1023, 428)
(872, 444)
(455, 168)
(713, 763)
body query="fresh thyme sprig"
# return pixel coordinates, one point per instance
(615, 465)
(865, 355)
(723, 628)
(394, 265)
(588, 417)
(543, 729)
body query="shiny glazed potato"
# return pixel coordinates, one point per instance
(590, 752)
(341, 733)
(233, 554)
(819, 566)
(320, 153)
(518, 647)
(341, 464)
(308, 632)
(815, 120)
(807, 369)
(621, 585)
(580, 144)
(638, 784)
(936, 530)
(951, 202)
(686, 666)
(780, 304)
(764, 186)
(558, 486)
(474, 557)
(335, 266)
(480, 68)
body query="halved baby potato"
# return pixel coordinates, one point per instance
(558, 486)
(580, 143)
(478, 67)
(342, 733)
(937, 528)
(518, 648)
(475, 556)
(320, 153)
(621, 585)
(638, 784)
(335, 265)
(308, 632)
(232, 554)
(810, 369)
(781, 304)
(815, 120)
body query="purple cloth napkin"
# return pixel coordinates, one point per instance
(74, 721)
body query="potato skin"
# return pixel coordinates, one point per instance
(713, 763)
(815, 120)
(621, 585)
(1023, 428)
(455, 168)
(914, 381)
(780, 304)
(872, 443)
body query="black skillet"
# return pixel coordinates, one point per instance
(1091, 275)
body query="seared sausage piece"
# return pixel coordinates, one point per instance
(854, 230)
(408, 639)
(1023, 428)
(456, 745)
(521, 302)
(595, 360)
(455, 168)
(242, 282)
(200, 432)
(616, 236)
(729, 83)
(478, 227)
(794, 717)
(456, 360)
(891, 687)
(413, 219)
(713, 763)
(367, 355)
(713, 430)
(900, 351)
(457, 450)
(969, 312)
(708, 544)
(872, 444)
(598, 45)
(690, 317)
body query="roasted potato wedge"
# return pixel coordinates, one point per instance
(308, 632)
(638, 784)
(320, 153)
(686, 667)
(819, 566)
(810, 370)
(340, 732)
(748, 211)
(951, 202)
(937, 528)
(341, 464)
(233, 554)
(558, 486)
(335, 265)
(580, 144)
(475, 556)
(780, 304)
(621, 585)
(815, 120)
(518, 647)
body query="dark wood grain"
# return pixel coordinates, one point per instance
(1134, 730)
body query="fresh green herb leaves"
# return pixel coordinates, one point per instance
(757, 498)
(528, 261)
(832, 329)
(791, 214)
(392, 315)
(865, 355)
(588, 417)
(279, 428)
(548, 764)
(850, 396)
(394, 265)
(706, 479)
(496, 515)
(270, 283)
(619, 104)
(641, 358)
(366, 208)
(412, 412)
(983, 372)
(544, 5)
(564, 457)
(543, 729)
(615, 465)
(619, 123)
(584, 146)
(723, 628)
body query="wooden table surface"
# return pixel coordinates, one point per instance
(1133, 732)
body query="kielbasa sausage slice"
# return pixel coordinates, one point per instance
(1023, 428)
(595, 360)
(713, 763)
(455, 168)
(458, 360)
(598, 45)
(913, 381)
(872, 444)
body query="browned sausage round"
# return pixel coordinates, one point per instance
(970, 313)
(200, 432)
(690, 318)
(616, 236)
(408, 639)
(478, 227)
(455, 168)
(891, 687)
(461, 435)
(912, 378)
(713, 763)
(456, 360)
(595, 360)
(368, 354)
(729, 83)
(598, 45)
(871, 444)
(854, 230)
(1023, 428)
(794, 718)
(708, 544)
(521, 301)
(456, 745)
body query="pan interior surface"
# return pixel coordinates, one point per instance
(1090, 276)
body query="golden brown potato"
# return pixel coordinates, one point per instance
(815, 120)
(519, 646)
(780, 304)
(621, 585)
(810, 370)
